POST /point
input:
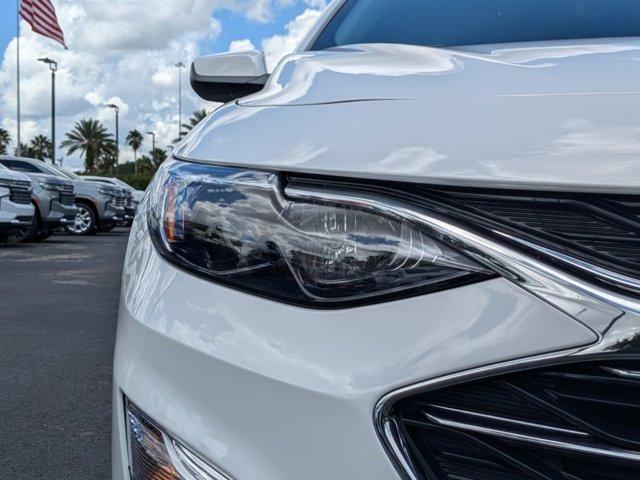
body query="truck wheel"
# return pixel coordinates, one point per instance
(85, 221)
(32, 232)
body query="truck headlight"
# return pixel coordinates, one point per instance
(236, 227)
(55, 187)
(109, 191)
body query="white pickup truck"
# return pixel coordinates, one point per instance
(16, 208)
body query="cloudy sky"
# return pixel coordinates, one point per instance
(124, 52)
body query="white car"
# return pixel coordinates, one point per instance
(16, 207)
(411, 252)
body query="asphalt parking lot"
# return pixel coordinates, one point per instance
(58, 306)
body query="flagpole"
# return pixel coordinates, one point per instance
(18, 70)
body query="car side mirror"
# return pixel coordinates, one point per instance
(229, 76)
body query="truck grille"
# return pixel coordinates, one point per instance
(20, 192)
(67, 195)
(128, 199)
(568, 422)
(118, 200)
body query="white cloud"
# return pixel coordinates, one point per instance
(241, 45)
(124, 51)
(278, 46)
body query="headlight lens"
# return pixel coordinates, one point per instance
(56, 187)
(7, 183)
(236, 227)
(110, 191)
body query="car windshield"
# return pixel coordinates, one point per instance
(63, 171)
(448, 23)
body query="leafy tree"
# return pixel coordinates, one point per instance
(25, 151)
(195, 119)
(134, 140)
(108, 158)
(145, 165)
(41, 147)
(89, 137)
(5, 140)
(158, 155)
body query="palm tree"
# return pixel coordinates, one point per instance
(134, 140)
(90, 137)
(108, 159)
(158, 156)
(195, 119)
(5, 140)
(25, 151)
(41, 147)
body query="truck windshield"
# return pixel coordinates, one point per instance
(448, 23)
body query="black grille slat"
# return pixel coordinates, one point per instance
(67, 195)
(597, 228)
(20, 194)
(475, 430)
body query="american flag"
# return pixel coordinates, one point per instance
(41, 15)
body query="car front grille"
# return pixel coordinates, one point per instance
(118, 200)
(128, 199)
(67, 195)
(602, 230)
(20, 193)
(567, 422)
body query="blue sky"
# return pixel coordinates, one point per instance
(234, 24)
(124, 51)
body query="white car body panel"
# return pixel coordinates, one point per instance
(269, 391)
(588, 140)
(8, 209)
(245, 380)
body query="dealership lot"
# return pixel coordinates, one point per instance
(58, 307)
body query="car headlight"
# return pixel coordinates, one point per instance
(55, 187)
(109, 191)
(7, 183)
(236, 227)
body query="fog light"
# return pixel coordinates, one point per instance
(154, 455)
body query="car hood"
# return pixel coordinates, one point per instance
(391, 72)
(49, 178)
(554, 115)
(85, 187)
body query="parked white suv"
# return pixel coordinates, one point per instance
(16, 209)
(412, 253)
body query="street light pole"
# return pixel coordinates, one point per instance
(153, 146)
(117, 109)
(180, 66)
(153, 140)
(53, 66)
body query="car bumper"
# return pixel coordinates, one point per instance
(112, 214)
(269, 391)
(59, 215)
(14, 215)
(129, 213)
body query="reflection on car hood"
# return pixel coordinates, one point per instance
(382, 71)
(49, 178)
(553, 116)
